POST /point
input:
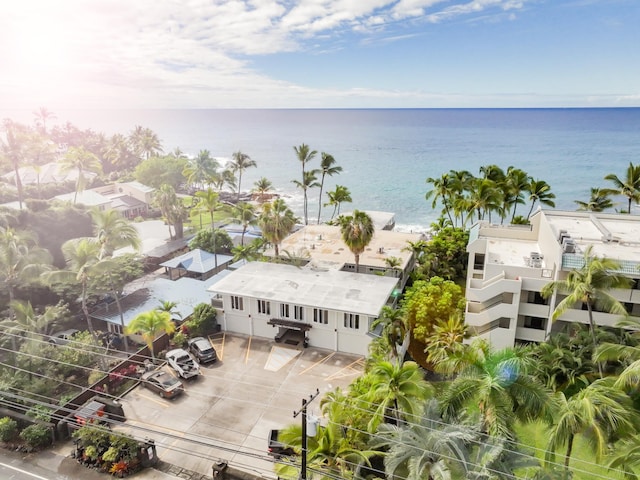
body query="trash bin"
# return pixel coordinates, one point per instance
(219, 468)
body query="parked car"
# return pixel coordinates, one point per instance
(64, 337)
(276, 448)
(183, 363)
(201, 348)
(163, 383)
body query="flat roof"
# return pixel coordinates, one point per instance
(615, 236)
(323, 245)
(333, 290)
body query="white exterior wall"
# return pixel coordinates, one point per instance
(332, 336)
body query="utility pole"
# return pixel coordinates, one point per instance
(303, 410)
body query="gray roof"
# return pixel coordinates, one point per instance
(197, 261)
(333, 290)
(186, 292)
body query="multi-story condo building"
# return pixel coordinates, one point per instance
(510, 264)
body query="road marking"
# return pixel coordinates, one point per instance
(218, 346)
(23, 471)
(319, 362)
(279, 357)
(349, 370)
(246, 357)
(155, 400)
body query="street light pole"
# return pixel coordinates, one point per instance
(303, 411)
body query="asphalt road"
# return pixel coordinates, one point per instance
(12, 468)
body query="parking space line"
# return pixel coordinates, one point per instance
(279, 357)
(218, 344)
(246, 357)
(155, 400)
(348, 370)
(317, 363)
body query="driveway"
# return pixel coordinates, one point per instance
(226, 414)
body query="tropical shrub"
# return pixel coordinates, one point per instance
(8, 429)
(202, 321)
(36, 436)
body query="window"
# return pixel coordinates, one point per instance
(236, 303)
(352, 320)
(478, 261)
(264, 307)
(536, 323)
(298, 312)
(284, 310)
(321, 316)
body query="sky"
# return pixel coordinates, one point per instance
(319, 53)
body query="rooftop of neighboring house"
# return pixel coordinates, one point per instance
(329, 289)
(324, 246)
(185, 292)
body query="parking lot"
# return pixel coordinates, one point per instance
(227, 412)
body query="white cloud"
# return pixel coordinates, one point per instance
(156, 53)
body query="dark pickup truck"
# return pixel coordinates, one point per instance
(276, 448)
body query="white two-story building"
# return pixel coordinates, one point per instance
(328, 308)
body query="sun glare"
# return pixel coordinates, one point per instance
(42, 46)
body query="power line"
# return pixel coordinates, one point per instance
(366, 410)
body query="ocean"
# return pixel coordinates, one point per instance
(387, 154)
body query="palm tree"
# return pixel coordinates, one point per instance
(151, 324)
(241, 161)
(598, 202)
(309, 180)
(82, 160)
(118, 151)
(516, 183)
(485, 198)
(261, 187)
(590, 285)
(201, 170)
(629, 378)
(327, 167)
(113, 231)
(329, 453)
(42, 114)
(394, 328)
(83, 263)
(169, 307)
(248, 252)
(540, 191)
(629, 186)
(145, 142)
(398, 390)
(27, 322)
(499, 386)
(276, 222)
(13, 149)
(21, 260)
(443, 191)
(337, 197)
(426, 449)
(627, 457)
(165, 198)
(304, 155)
(599, 411)
(244, 214)
(357, 232)
(446, 340)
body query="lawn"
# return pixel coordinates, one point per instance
(583, 463)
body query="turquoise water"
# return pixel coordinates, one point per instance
(388, 154)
